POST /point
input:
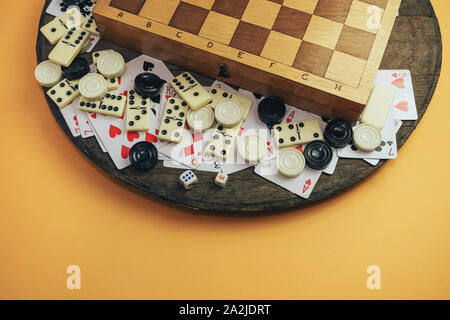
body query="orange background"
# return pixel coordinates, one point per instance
(57, 209)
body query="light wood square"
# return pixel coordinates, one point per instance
(219, 27)
(281, 48)
(345, 69)
(307, 6)
(206, 4)
(159, 10)
(364, 16)
(323, 32)
(262, 13)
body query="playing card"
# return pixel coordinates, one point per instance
(93, 40)
(145, 63)
(181, 154)
(167, 92)
(294, 114)
(386, 150)
(374, 162)
(303, 185)
(404, 103)
(71, 120)
(86, 130)
(223, 86)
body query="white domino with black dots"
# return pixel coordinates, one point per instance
(138, 112)
(64, 92)
(173, 121)
(296, 133)
(69, 47)
(190, 90)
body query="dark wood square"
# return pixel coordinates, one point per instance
(132, 6)
(360, 47)
(189, 18)
(336, 10)
(277, 1)
(249, 38)
(232, 8)
(313, 58)
(292, 22)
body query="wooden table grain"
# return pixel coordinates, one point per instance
(415, 44)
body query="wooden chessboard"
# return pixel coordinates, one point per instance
(320, 55)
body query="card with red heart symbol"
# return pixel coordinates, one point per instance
(401, 81)
(71, 120)
(303, 185)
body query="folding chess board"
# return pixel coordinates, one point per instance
(319, 55)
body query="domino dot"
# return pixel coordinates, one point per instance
(172, 101)
(181, 87)
(110, 108)
(59, 100)
(169, 111)
(279, 128)
(214, 91)
(228, 141)
(70, 32)
(62, 84)
(83, 33)
(225, 94)
(177, 134)
(280, 140)
(131, 97)
(184, 104)
(301, 124)
(176, 107)
(138, 118)
(52, 92)
(195, 94)
(131, 102)
(131, 123)
(316, 135)
(179, 123)
(188, 78)
(224, 152)
(80, 38)
(69, 93)
(88, 104)
(82, 103)
(94, 106)
(182, 114)
(113, 97)
(131, 92)
(112, 80)
(220, 128)
(115, 109)
(103, 107)
(212, 148)
(144, 111)
(164, 132)
(167, 121)
(292, 139)
(216, 137)
(77, 41)
(291, 126)
(119, 98)
(175, 81)
(53, 30)
(185, 75)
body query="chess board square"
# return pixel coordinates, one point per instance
(205, 4)
(131, 6)
(250, 38)
(188, 18)
(355, 42)
(261, 12)
(379, 3)
(345, 69)
(313, 58)
(335, 10)
(219, 27)
(277, 1)
(232, 8)
(323, 32)
(307, 6)
(281, 48)
(364, 16)
(292, 22)
(159, 10)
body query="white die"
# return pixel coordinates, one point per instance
(221, 179)
(188, 179)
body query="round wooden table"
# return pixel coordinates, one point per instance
(415, 44)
